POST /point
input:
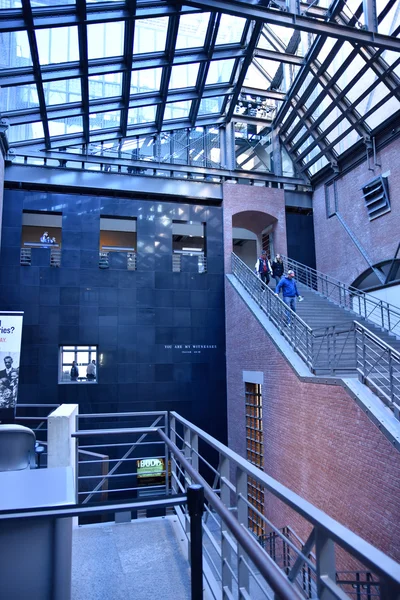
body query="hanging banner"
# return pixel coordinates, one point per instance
(10, 349)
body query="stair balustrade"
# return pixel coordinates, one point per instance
(333, 350)
(377, 311)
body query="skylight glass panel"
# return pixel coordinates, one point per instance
(230, 30)
(255, 78)
(28, 131)
(340, 56)
(383, 112)
(177, 110)
(105, 86)
(105, 120)
(150, 35)
(15, 50)
(377, 94)
(391, 21)
(62, 91)
(65, 126)
(10, 4)
(183, 76)
(192, 30)
(220, 71)
(318, 165)
(345, 143)
(105, 39)
(211, 105)
(58, 45)
(18, 97)
(342, 126)
(334, 115)
(146, 80)
(144, 114)
(351, 75)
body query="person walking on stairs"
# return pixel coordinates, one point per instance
(277, 268)
(263, 267)
(289, 292)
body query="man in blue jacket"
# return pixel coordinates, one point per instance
(289, 291)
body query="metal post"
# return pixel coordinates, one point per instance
(326, 569)
(195, 504)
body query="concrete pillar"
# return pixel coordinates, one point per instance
(61, 447)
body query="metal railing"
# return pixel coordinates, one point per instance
(373, 309)
(232, 569)
(111, 455)
(25, 257)
(55, 257)
(177, 262)
(333, 350)
(379, 366)
(105, 259)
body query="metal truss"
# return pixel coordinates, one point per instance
(266, 66)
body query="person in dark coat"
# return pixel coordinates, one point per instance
(74, 373)
(263, 267)
(277, 268)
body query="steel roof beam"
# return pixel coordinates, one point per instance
(128, 60)
(254, 36)
(263, 93)
(294, 21)
(282, 57)
(27, 13)
(209, 46)
(172, 35)
(83, 54)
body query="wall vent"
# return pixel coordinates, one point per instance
(376, 196)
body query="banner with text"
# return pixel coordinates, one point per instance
(10, 349)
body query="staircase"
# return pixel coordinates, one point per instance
(338, 331)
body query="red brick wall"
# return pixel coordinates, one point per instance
(317, 441)
(240, 198)
(336, 254)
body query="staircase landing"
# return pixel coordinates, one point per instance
(140, 560)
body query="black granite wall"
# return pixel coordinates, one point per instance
(141, 320)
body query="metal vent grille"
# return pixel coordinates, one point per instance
(376, 196)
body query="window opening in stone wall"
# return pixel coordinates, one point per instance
(376, 196)
(188, 240)
(331, 203)
(255, 455)
(118, 243)
(41, 238)
(267, 243)
(78, 364)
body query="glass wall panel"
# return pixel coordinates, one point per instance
(105, 86)
(144, 114)
(105, 39)
(177, 110)
(65, 126)
(104, 120)
(150, 35)
(211, 105)
(29, 131)
(62, 91)
(57, 45)
(144, 81)
(220, 71)
(18, 98)
(15, 50)
(183, 76)
(192, 30)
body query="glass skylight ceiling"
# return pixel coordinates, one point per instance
(76, 73)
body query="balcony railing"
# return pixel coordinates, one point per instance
(105, 259)
(26, 256)
(177, 262)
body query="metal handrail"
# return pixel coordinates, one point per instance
(299, 334)
(326, 531)
(379, 366)
(274, 577)
(377, 311)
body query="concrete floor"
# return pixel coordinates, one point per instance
(141, 560)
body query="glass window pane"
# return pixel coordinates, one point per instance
(192, 30)
(144, 81)
(150, 35)
(82, 358)
(144, 114)
(65, 126)
(183, 76)
(62, 91)
(105, 39)
(68, 357)
(230, 30)
(29, 131)
(15, 50)
(19, 98)
(211, 105)
(220, 71)
(105, 86)
(105, 120)
(57, 45)
(177, 110)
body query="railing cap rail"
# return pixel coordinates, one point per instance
(361, 549)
